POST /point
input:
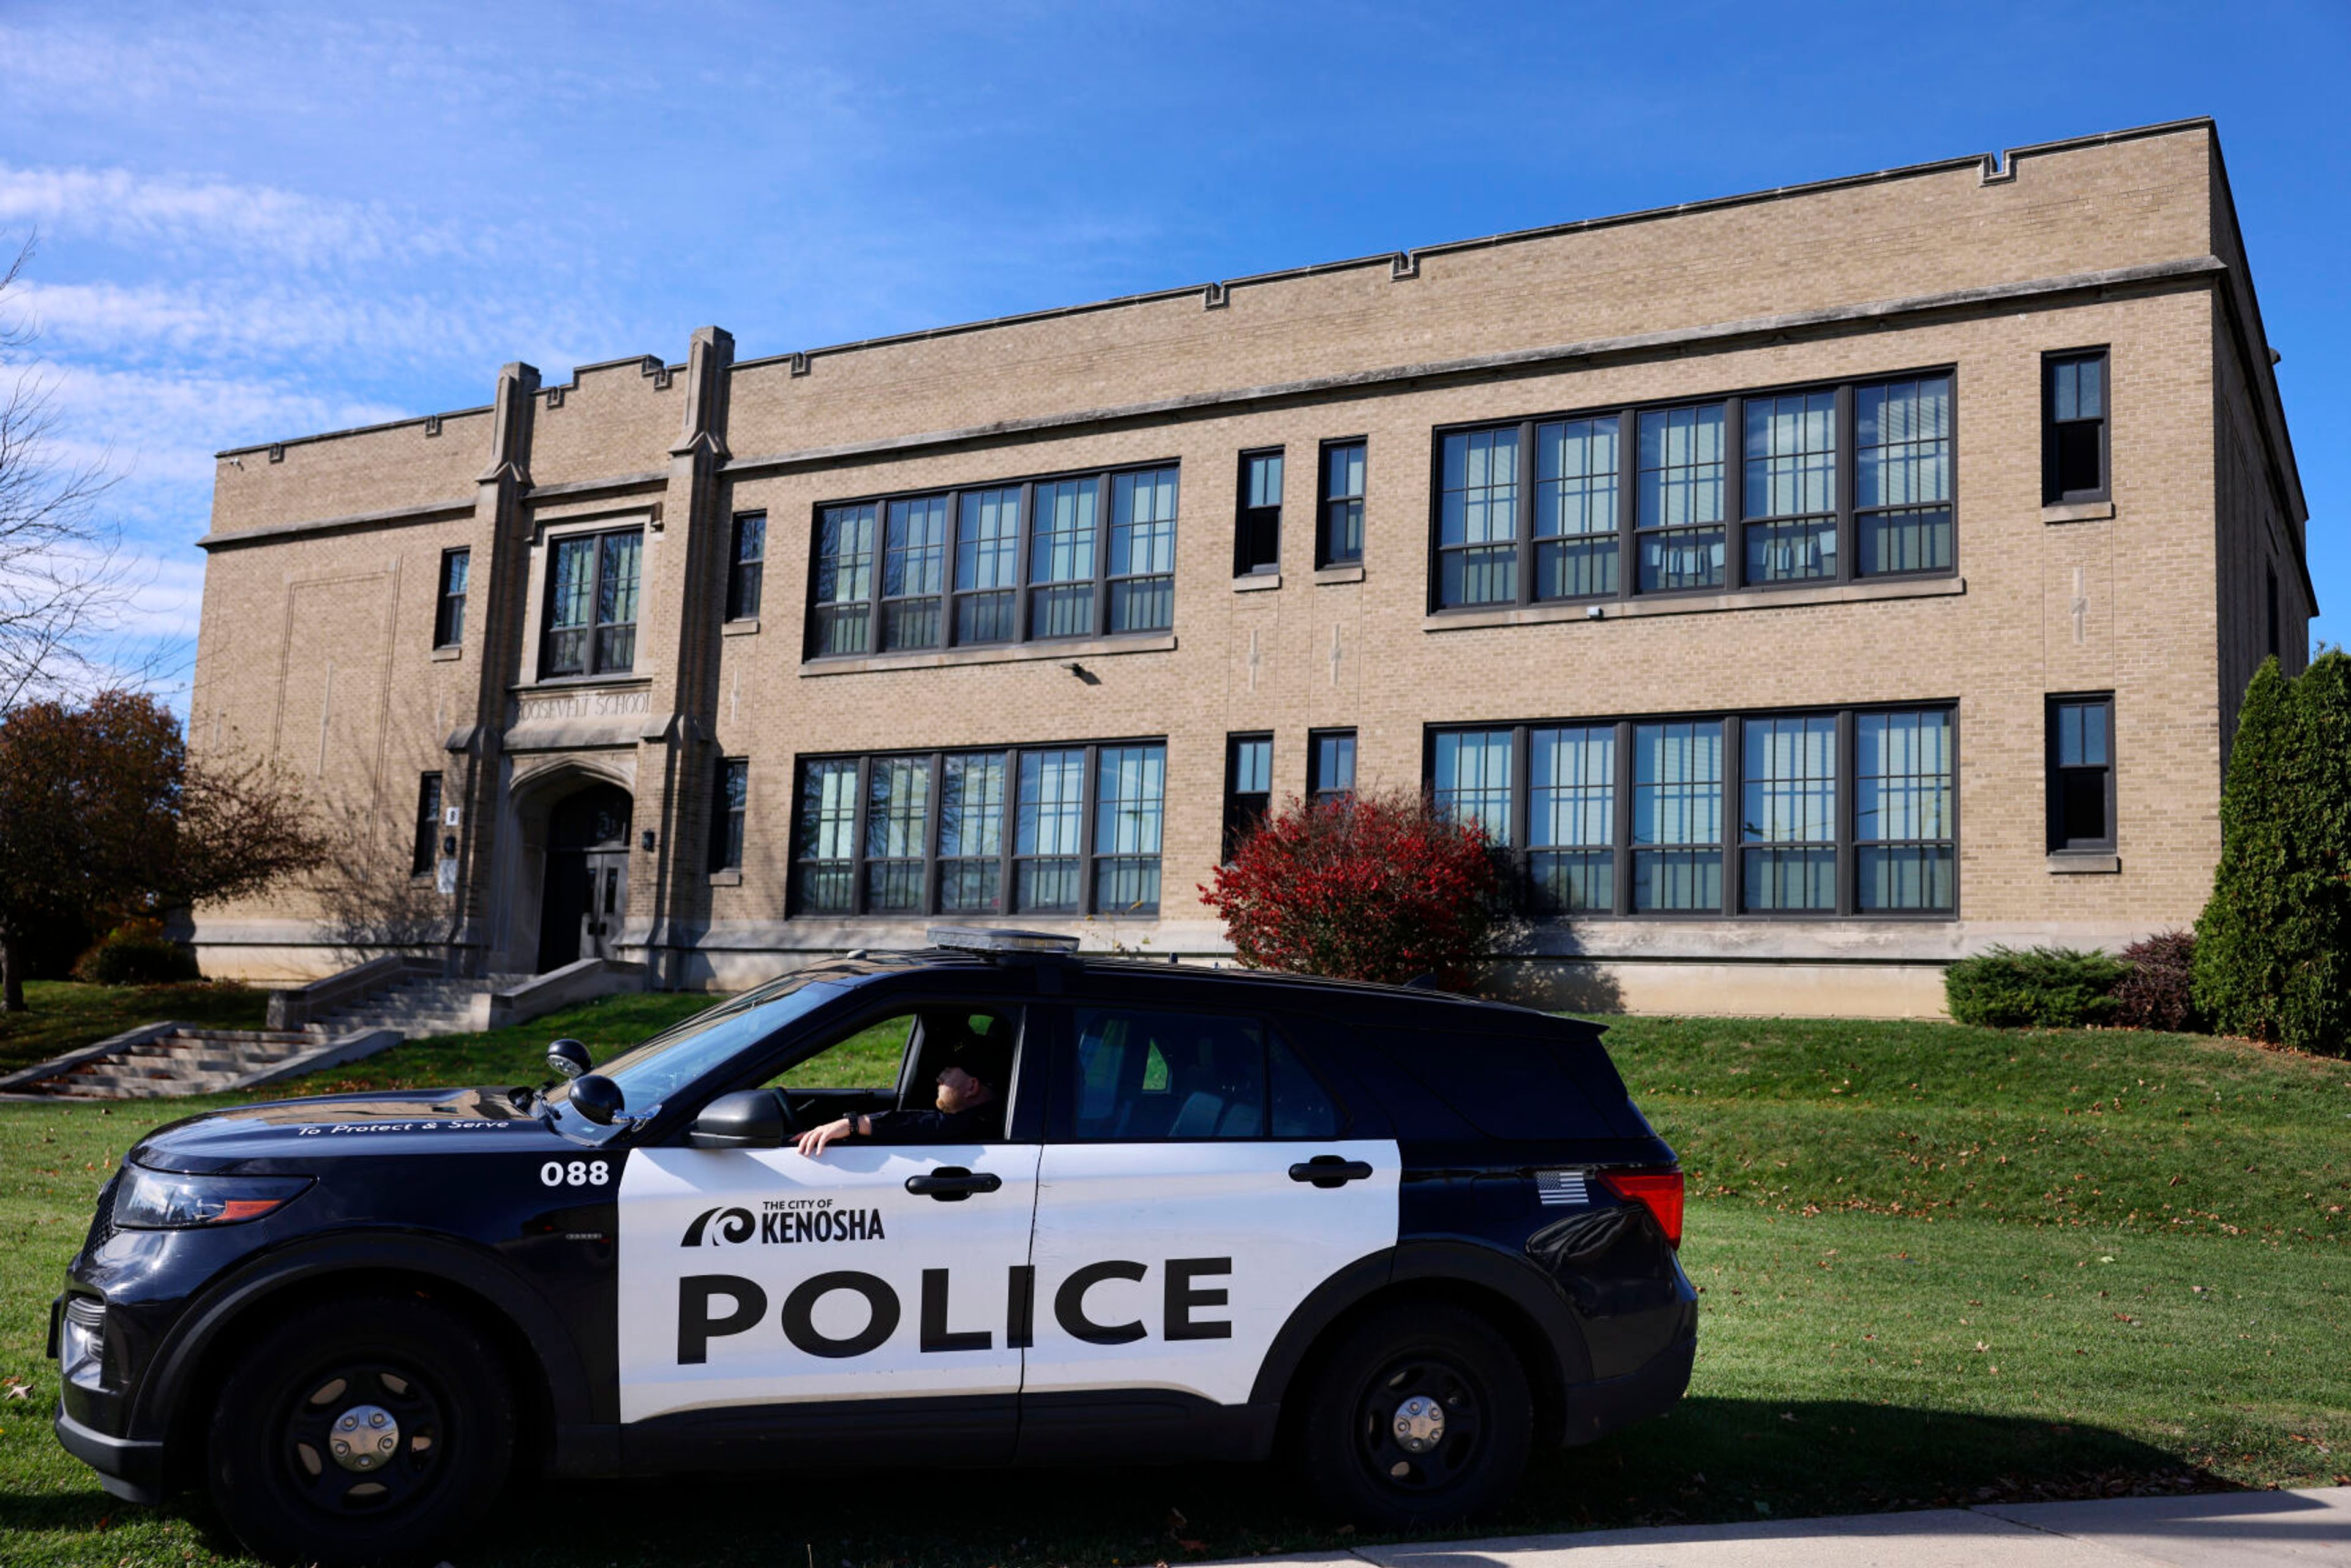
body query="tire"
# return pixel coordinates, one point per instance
(447, 1434)
(1362, 1470)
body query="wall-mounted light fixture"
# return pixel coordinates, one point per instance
(646, 838)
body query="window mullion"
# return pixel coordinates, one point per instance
(1846, 801)
(1089, 786)
(934, 812)
(1102, 563)
(1008, 818)
(1848, 469)
(1021, 525)
(1734, 492)
(1522, 814)
(1624, 815)
(1523, 514)
(1727, 819)
(1628, 504)
(857, 835)
(948, 570)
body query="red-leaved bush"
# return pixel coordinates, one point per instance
(2154, 993)
(1378, 887)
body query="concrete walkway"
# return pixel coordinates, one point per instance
(2229, 1529)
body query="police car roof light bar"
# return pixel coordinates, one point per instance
(996, 939)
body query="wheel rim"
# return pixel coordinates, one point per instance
(1419, 1426)
(363, 1439)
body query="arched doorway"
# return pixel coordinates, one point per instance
(586, 881)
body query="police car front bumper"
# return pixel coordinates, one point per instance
(129, 1468)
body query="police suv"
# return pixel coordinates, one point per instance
(1399, 1235)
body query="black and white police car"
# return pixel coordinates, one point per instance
(1397, 1236)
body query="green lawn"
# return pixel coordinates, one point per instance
(64, 1015)
(1938, 1264)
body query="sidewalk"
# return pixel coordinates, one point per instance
(2230, 1529)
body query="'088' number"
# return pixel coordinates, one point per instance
(575, 1173)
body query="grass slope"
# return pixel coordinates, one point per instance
(1891, 1316)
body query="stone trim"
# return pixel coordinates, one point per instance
(745, 628)
(2078, 512)
(1257, 582)
(1066, 650)
(1747, 599)
(2079, 864)
(426, 512)
(1352, 573)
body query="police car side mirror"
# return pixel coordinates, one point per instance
(598, 1098)
(568, 1058)
(747, 1119)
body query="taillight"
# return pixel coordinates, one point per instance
(1658, 1191)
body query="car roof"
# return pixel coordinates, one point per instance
(1097, 974)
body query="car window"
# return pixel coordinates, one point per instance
(1152, 1073)
(867, 1058)
(1301, 1109)
(1506, 1086)
(650, 1073)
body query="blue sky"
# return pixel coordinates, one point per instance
(259, 222)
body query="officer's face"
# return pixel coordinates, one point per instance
(959, 1091)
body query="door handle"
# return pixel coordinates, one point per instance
(953, 1184)
(1330, 1170)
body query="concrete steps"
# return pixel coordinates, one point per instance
(184, 1062)
(417, 1008)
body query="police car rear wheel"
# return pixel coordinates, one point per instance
(1419, 1416)
(360, 1430)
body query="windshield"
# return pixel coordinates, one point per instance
(650, 1073)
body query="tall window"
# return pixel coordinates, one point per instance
(1905, 812)
(1788, 814)
(1143, 550)
(1248, 786)
(1902, 475)
(1329, 765)
(2081, 773)
(1678, 816)
(1637, 501)
(1256, 526)
(1062, 536)
(1070, 830)
(1576, 481)
(449, 612)
(1626, 816)
(1791, 485)
(1340, 536)
(987, 566)
(841, 593)
(1681, 498)
(591, 604)
(427, 847)
(1478, 509)
(2074, 427)
(747, 566)
(914, 573)
(1572, 818)
(732, 793)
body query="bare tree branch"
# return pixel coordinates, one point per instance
(65, 582)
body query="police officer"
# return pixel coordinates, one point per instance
(970, 1104)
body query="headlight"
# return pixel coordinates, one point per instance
(166, 1201)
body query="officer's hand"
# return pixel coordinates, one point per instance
(813, 1141)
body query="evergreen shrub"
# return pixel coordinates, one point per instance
(2033, 988)
(2273, 945)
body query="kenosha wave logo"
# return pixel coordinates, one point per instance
(783, 1222)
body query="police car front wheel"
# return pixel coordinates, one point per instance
(363, 1429)
(1419, 1416)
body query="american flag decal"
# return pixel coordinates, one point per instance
(1560, 1187)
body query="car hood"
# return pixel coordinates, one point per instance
(260, 1137)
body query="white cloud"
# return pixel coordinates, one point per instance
(129, 208)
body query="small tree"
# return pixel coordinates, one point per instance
(1378, 887)
(103, 814)
(2273, 945)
